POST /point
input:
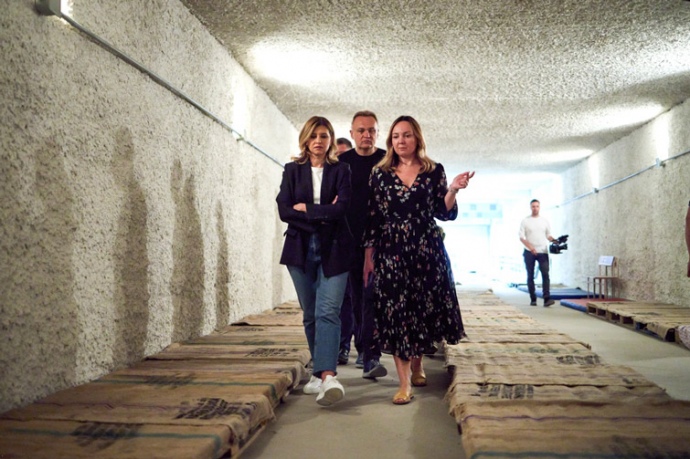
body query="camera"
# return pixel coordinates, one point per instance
(559, 245)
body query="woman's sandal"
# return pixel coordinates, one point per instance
(402, 398)
(418, 378)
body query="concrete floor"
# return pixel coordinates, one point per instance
(367, 425)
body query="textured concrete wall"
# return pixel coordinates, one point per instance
(641, 220)
(128, 219)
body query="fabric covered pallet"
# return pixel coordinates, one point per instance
(683, 335)
(659, 319)
(51, 439)
(205, 398)
(575, 428)
(197, 402)
(536, 393)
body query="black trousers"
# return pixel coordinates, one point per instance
(543, 260)
(363, 309)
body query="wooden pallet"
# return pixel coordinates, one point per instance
(658, 319)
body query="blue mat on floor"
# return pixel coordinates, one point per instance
(575, 303)
(558, 293)
(581, 303)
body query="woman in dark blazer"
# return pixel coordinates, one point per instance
(314, 195)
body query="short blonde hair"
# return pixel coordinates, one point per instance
(391, 159)
(365, 113)
(306, 133)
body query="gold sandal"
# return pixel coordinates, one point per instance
(418, 378)
(402, 398)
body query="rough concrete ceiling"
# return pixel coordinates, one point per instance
(497, 85)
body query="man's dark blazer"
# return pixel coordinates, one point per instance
(326, 219)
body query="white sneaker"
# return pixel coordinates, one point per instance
(331, 391)
(313, 386)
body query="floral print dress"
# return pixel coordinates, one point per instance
(415, 302)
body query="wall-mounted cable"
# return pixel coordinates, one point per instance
(658, 163)
(55, 7)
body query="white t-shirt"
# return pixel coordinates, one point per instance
(537, 231)
(316, 179)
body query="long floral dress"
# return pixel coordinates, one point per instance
(415, 302)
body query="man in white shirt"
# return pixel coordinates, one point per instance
(535, 235)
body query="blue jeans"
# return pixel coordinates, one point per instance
(347, 322)
(320, 298)
(543, 260)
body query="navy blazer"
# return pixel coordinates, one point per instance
(326, 219)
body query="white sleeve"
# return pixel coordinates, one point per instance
(548, 230)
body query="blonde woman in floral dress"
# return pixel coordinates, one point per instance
(414, 292)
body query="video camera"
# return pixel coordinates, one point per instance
(559, 245)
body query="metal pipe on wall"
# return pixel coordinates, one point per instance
(659, 163)
(50, 7)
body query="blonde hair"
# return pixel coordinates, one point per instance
(391, 159)
(365, 113)
(305, 135)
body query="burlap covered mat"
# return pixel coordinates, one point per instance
(278, 338)
(239, 352)
(683, 335)
(623, 306)
(666, 328)
(584, 358)
(50, 439)
(475, 307)
(294, 371)
(255, 330)
(291, 319)
(516, 321)
(660, 319)
(206, 398)
(522, 391)
(524, 428)
(273, 385)
(243, 410)
(459, 394)
(508, 337)
(284, 315)
(542, 374)
(528, 329)
(465, 348)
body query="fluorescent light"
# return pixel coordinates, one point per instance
(57, 8)
(49, 7)
(621, 116)
(661, 136)
(593, 165)
(297, 64)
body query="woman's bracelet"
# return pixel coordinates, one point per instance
(453, 190)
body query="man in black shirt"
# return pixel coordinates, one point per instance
(362, 159)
